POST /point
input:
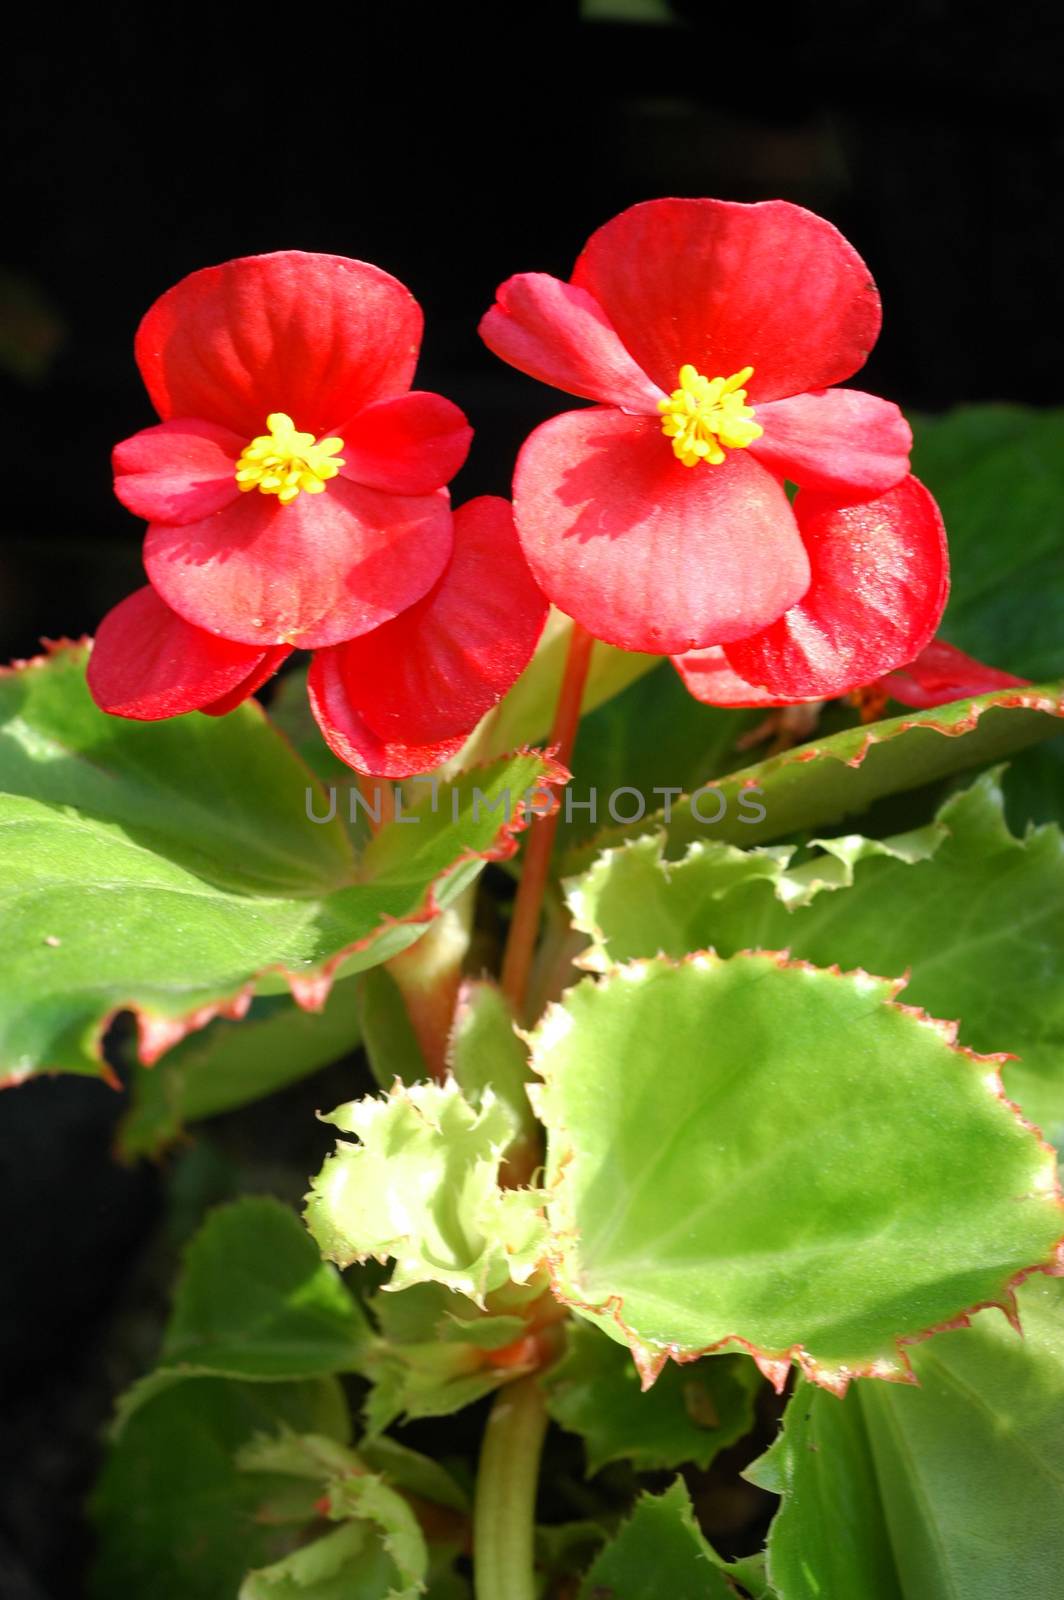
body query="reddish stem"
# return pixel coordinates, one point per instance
(379, 797)
(524, 928)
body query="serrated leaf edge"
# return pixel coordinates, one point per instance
(775, 1365)
(968, 713)
(310, 989)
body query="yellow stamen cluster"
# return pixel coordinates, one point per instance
(705, 414)
(284, 461)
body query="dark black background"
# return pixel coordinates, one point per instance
(456, 144)
(452, 145)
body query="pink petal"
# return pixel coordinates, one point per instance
(266, 668)
(838, 440)
(177, 471)
(725, 286)
(325, 568)
(316, 336)
(148, 663)
(879, 586)
(649, 554)
(349, 737)
(708, 677)
(560, 334)
(942, 673)
(410, 445)
(434, 671)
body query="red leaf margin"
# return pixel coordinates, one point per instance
(775, 1365)
(967, 714)
(157, 1033)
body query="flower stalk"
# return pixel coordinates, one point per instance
(520, 946)
(505, 1506)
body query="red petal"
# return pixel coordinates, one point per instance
(177, 471)
(879, 586)
(725, 286)
(561, 335)
(322, 569)
(433, 672)
(266, 668)
(315, 336)
(149, 663)
(708, 677)
(349, 737)
(649, 554)
(838, 440)
(410, 445)
(941, 674)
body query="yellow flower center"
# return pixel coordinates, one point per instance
(284, 461)
(705, 414)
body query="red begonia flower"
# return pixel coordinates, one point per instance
(878, 587)
(148, 663)
(404, 698)
(295, 487)
(712, 332)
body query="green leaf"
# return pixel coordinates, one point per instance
(170, 868)
(998, 474)
(230, 1064)
(255, 1301)
(970, 912)
(421, 1188)
(659, 1551)
(952, 1488)
(432, 1360)
(829, 1536)
(690, 1414)
(370, 1498)
(175, 1518)
(413, 1472)
(350, 1560)
(752, 1151)
(347, 1491)
(485, 1052)
(830, 778)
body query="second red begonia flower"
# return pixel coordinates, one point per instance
(710, 333)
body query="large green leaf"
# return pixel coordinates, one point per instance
(171, 868)
(659, 1551)
(818, 783)
(690, 1415)
(971, 913)
(255, 1301)
(175, 1517)
(998, 474)
(953, 1488)
(780, 1156)
(229, 1064)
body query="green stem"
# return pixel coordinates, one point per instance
(505, 1512)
